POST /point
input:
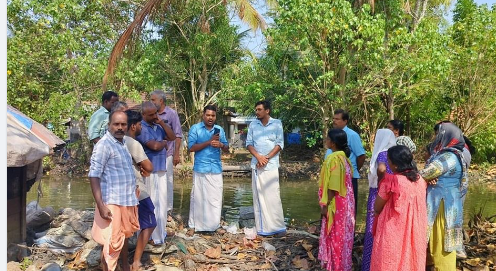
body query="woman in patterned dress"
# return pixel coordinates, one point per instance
(446, 171)
(337, 205)
(384, 139)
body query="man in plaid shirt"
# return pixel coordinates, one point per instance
(113, 184)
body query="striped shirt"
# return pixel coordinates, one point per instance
(113, 165)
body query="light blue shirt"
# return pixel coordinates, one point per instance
(98, 123)
(355, 144)
(264, 139)
(207, 160)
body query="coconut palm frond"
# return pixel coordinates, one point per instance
(248, 14)
(272, 4)
(126, 36)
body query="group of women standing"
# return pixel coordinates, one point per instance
(414, 218)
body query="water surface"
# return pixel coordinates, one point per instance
(299, 198)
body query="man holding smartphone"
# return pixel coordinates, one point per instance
(206, 140)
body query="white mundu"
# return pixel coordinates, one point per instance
(269, 218)
(156, 185)
(206, 201)
(170, 181)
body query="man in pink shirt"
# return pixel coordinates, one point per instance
(170, 117)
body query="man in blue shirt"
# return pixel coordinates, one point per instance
(154, 136)
(206, 140)
(357, 157)
(265, 140)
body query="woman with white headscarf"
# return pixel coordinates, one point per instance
(384, 139)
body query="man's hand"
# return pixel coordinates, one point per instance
(105, 212)
(262, 160)
(159, 120)
(176, 160)
(144, 173)
(214, 141)
(217, 144)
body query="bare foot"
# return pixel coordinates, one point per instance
(136, 266)
(171, 233)
(220, 231)
(126, 266)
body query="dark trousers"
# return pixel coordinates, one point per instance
(354, 182)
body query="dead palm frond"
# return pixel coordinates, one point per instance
(246, 12)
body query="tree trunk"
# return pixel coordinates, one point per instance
(390, 103)
(325, 125)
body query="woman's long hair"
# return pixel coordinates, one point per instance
(340, 138)
(402, 158)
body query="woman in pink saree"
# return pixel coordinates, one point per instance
(337, 205)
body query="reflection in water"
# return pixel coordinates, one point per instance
(299, 198)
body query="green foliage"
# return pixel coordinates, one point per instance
(56, 55)
(471, 86)
(194, 45)
(26, 262)
(321, 55)
(485, 144)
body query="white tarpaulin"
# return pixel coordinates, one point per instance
(23, 147)
(27, 140)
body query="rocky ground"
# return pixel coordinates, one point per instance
(61, 240)
(67, 245)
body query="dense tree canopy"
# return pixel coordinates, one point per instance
(381, 61)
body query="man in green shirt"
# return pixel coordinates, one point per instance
(99, 119)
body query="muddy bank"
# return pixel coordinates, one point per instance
(67, 245)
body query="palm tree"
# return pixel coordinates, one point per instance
(245, 10)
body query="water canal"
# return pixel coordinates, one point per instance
(299, 198)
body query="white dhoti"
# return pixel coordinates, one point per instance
(206, 201)
(170, 181)
(267, 206)
(156, 185)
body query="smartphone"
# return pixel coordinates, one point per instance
(216, 131)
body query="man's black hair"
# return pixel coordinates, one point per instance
(210, 107)
(344, 114)
(265, 104)
(133, 117)
(107, 95)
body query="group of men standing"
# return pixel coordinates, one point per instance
(131, 173)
